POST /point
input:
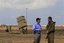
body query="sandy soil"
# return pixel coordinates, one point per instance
(26, 38)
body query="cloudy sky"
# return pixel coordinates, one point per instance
(11, 9)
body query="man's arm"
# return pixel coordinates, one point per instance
(52, 29)
(47, 30)
(33, 27)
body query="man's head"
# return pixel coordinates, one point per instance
(49, 19)
(38, 20)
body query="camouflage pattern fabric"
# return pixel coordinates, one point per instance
(51, 29)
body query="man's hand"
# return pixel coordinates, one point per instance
(46, 31)
(47, 34)
(41, 29)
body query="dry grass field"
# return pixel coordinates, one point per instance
(28, 38)
(6, 37)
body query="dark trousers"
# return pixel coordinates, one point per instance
(37, 38)
(51, 38)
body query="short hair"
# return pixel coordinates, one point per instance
(38, 19)
(50, 18)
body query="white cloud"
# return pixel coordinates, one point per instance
(22, 4)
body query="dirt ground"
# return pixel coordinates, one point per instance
(27, 38)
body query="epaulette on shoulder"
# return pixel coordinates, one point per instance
(54, 22)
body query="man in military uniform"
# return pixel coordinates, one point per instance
(50, 29)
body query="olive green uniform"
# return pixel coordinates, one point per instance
(51, 28)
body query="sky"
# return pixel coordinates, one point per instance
(11, 9)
